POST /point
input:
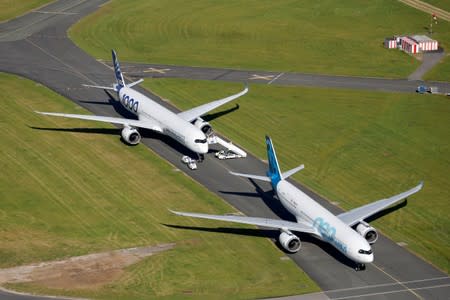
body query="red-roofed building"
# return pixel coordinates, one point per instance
(409, 45)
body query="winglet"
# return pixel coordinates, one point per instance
(420, 186)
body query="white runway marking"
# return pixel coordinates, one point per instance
(278, 76)
(396, 280)
(392, 292)
(261, 77)
(81, 75)
(54, 12)
(402, 284)
(155, 70)
(386, 284)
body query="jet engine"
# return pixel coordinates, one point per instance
(130, 135)
(368, 232)
(203, 126)
(290, 241)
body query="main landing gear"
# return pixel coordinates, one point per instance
(360, 267)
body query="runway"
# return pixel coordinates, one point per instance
(281, 78)
(43, 53)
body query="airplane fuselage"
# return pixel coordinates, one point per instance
(170, 123)
(329, 228)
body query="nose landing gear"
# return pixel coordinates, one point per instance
(360, 267)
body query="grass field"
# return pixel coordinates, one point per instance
(441, 72)
(357, 147)
(330, 37)
(12, 8)
(67, 193)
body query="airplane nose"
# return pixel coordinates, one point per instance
(200, 148)
(367, 259)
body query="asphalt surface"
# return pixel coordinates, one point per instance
(141, 70)
(43, 53)
(429, 60)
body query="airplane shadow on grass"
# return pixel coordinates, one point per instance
(273, 235)
(212, 116)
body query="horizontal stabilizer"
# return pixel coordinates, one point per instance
(134, 83)
(263, 222)
(101, 87)
(258, 177)
(292, 172)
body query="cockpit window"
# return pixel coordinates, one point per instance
(198, 141)
(365, 251)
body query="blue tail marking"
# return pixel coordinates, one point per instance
(117, 72)
(274, 169)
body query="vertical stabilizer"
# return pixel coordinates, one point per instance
(274, 169)
(117, 72)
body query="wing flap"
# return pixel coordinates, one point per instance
(135, 123)
(194, 113)
(263, 222)
(360, 213)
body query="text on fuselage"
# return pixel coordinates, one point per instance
(328, 232)
(129, 103)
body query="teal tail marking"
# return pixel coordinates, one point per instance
(274, 169)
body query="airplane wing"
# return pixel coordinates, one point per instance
(148, 124)
(271, 223)
(360, 213)
(194, 113)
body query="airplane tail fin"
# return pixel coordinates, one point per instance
(274, 172)
(117, 72)
(119, 78)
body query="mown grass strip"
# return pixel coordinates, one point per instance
(10, 9)
(71, 193)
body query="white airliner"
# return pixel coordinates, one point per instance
(187, 127)
(347, 232)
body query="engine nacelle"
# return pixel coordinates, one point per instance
(368, 232)
(130, 135)
(204, 126)
(290, 241)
